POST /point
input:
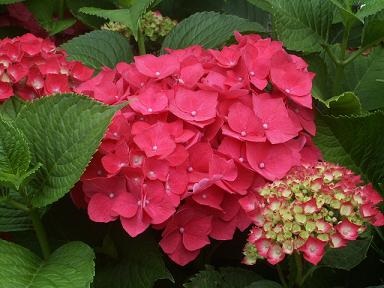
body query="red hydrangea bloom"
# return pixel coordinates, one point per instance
(202, 130)
(311, 208)
(32, 67)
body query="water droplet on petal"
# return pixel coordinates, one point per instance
(261, 165)
(193, 113)
(204, 196)
(154, 147)
(111, 195)
(243, 133)
(287, 90)
(190, 169)
(150, 110)
(265, 126)
(252, 73)
(157, 73)
(181, 229)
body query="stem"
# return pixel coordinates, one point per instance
(281, 276)
(40, 233)
(331, 55)
(140, 42)
(299, 267)
(61, 9)
(18, 205)
(339, 75)
(307, 274)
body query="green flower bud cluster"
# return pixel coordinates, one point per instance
(153, 25)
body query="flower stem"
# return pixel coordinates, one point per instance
(40, 233)
(339, 74)
(299, 269)
(140, 42)
(281, 276)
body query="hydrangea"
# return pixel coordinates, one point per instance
(31, 67)
(203, 129)
(312, 208)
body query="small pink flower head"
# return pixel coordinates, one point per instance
(309, 209)
(32, 67)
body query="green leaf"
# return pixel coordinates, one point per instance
(209, 29)
(369, 7)
(63, 131)
(345, 104)
(61, 25)
(14, 153)
(92, 21)
(70, 266)
(355, 142)
(364, 76)
(140, 265)
(302, 25)
(347, 257)
(99, 48)
(264, 284)
(345, 10)
(373, 31)
(129, 17)
(11, 218)
(262, 4)
(321, 86)
(208, 278)
(44, 12)
(237, 277)
(246, 10)
(226, 277)
(11, 108)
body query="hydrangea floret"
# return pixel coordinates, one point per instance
(31, 67)
(202, 130)
(312, 208)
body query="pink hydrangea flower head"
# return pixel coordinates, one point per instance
(202, 131)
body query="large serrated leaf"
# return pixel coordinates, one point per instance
(347, 257)
(140, 265)
(99, 48)
(208, 29)
(14, 153)
(365, 77)
(302, 25)
(70, 266)
(355, 142)
(64, 131)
